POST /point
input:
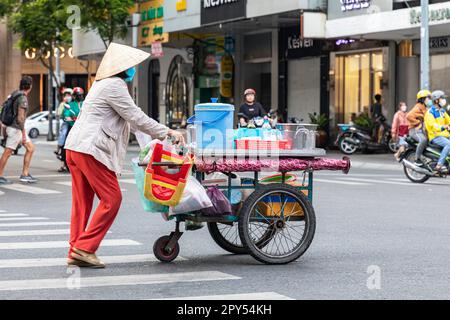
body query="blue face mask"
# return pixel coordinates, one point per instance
(429, 103)
(130, 74)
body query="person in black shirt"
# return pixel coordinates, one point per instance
(377, 108)
(250, 109)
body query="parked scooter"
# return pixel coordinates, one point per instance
(352, 138)
(430, 159)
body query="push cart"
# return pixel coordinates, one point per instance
(274, 223)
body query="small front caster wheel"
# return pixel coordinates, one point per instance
(162, 252)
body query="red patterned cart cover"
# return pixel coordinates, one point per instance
(279, 165)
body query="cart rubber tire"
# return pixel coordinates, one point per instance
(161, 254)
(310, 224)
(222, 242)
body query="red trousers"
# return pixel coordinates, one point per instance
(89, 178)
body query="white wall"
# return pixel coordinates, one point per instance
(256, 8)
(303, 87)
(183, 20)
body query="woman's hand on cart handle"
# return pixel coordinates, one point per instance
(176, 137)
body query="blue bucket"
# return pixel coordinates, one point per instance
(214, 125)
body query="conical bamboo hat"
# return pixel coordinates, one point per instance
(119, 58)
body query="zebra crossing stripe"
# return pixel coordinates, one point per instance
(238, 296)
(4, 215)
(111, 281)
(23, 219)
(65, 183)
(130, 181)
(32, 224)
(22, 233)
(382, 182)
(60, 262)
(341, 182)
(62, 244)
(29, 189)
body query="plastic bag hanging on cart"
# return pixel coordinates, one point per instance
(194, 198)
(221, 204)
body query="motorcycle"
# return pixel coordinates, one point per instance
(420, 174)
(352, 138)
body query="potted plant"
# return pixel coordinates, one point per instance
(321, 121)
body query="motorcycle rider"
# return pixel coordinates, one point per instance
(416, 127)
(437, 124)
(250, 109)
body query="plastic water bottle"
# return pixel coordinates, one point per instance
(266, 124)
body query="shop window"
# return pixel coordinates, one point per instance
(440, 70)
(358, 77)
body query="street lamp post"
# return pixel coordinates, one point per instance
(425, 47)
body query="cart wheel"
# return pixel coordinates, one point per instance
(227, 237)
(162, 253)
(277, 224)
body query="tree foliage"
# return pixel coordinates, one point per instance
(7, 7)
(107, 17)
(41, 25)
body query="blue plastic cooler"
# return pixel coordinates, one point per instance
(214, 125)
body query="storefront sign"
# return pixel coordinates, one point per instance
(157, 50)
(434, 15)
(216, 11)
(226, 76)
(349, 5)
(437, 45)
(181, 5)
(152, 23)
(295, 47)
(349, 8)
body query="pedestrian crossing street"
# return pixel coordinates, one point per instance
(15, 238)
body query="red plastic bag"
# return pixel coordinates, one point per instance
(221, 205)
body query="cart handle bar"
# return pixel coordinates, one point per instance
(162, 164)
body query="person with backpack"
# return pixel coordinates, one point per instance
(13, 115)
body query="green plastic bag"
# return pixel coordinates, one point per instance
(149, 206)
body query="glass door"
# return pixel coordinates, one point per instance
(358, 77)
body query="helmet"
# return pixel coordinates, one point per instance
(78, 90)
(436, 95)
(67, 91)
(249, 91)
(423, 94)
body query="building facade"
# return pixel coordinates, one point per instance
(14, 64)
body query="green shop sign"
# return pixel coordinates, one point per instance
(152, 14)
(434, 15)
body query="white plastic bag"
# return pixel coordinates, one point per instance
(142, 138)
(194, 198)
(147, 151)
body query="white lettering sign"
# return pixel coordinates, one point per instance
(297, 43)
(215, 3)
(349, 5)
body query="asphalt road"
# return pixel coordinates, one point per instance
(378, 236)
